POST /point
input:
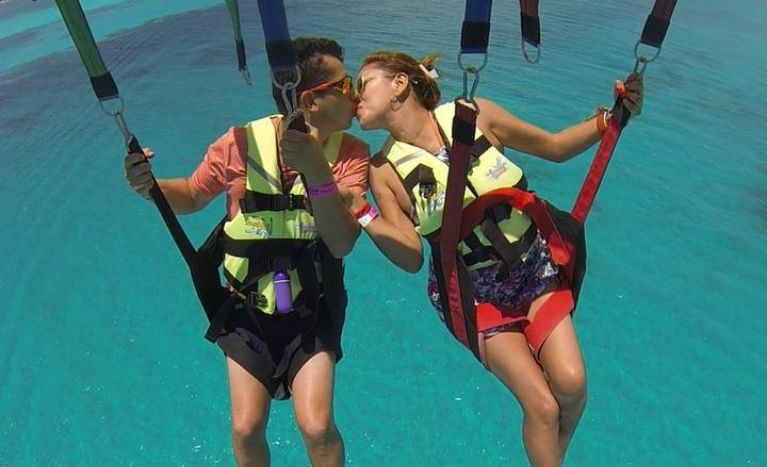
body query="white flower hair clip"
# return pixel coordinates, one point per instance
(431, 73)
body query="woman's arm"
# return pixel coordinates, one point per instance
(392, 231)
(508, 130)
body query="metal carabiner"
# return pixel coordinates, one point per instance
(118, 115)
(537, 52)
(641, 61)
(468, 95)
(287, 86)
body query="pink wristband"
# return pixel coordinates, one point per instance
(323, 190)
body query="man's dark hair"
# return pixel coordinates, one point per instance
(310, 56)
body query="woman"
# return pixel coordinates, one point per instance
(544, 370)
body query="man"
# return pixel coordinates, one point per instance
(282, 341)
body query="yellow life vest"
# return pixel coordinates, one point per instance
(425, 177)
(272, 227)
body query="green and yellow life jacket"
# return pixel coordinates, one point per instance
(425, 178)
(273, 229)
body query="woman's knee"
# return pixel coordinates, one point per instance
(569, 384)
(542, 408)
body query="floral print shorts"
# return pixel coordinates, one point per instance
(517, 289)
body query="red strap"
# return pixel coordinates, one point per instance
(597, 171)
(491, 316)
(551, 312)
(460, 158)
(526, 202)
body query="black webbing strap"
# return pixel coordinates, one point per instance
(242, 61)
(475, 31)
(255, 201)
(657, 23)
(202, 268)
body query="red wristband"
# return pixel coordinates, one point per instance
(361, 211)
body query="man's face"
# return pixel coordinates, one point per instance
(333, 106)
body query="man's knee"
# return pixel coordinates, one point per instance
(247, 430)
(318, 428)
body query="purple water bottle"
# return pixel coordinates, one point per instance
(282, 292)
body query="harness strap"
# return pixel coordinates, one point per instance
(423, 176)
(654, 32)
(657, 23)
(255, 201)
(279, 47)
(559, 304)
(509, 253)
(531, 28)
(475, 30)
(304, 263)
(203, 269)
(453, 270)
(242, 62)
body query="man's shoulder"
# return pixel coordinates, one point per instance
(354, 146)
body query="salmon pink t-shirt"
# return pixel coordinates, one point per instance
(223, 167)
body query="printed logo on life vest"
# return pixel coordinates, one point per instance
(499, 168)
(257, 226)
(435, 203)
(307, 229)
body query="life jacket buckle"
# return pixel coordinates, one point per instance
(256, 300)
(428, 189)
(295, 202)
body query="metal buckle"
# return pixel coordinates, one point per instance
(427, 189)
(256, 300)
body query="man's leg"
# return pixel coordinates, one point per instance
(313, 405)
(250, 412)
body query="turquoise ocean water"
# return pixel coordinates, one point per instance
(101, 350)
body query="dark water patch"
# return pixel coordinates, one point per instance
(21, 39)
(133, 55)
(11, 8)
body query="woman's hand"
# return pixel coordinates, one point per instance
(631, 92)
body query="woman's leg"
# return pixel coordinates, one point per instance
(509, 358)
(250, 412)
(562, 361)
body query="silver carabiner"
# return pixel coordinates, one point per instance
(641, 61)
(118, 115)
(468, 95)
(537, 52)
(289, 86)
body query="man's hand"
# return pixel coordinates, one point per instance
(138, 171)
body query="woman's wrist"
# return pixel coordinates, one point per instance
(366, 214)
(601, 117)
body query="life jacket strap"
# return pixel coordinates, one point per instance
(254, 201)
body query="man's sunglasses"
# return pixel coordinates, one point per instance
(343, 85)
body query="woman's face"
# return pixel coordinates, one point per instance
(374, 93)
